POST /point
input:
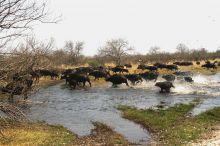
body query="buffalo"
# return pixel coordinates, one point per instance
(171, 67)
(78, 78)
(164, 86)
(53, 74)
(141, 66)
(151, 68)
(99, 74)
(183, 63)
(84, 70)
(160, 65)
(128, 65)
(183, 73)
(188, 79)
(169, 78)
(149, 76)
(209, 65)
(117, 79)
(119, 69)
(134, 78)
(72, 83)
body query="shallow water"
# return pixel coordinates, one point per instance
(77, 109)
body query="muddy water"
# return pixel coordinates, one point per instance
(77, 109)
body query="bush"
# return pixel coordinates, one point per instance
(94, 63)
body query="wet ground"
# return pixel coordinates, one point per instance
(76, 109)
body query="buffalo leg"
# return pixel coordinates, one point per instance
(90, 84)
(127, 84)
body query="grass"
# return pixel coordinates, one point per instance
(42, 134)
(173, 126)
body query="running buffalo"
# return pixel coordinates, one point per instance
(78, 78)
(169, 78)
(134, 78)
(99, 74)
(164, 86)
(117, 79)
(149, 76)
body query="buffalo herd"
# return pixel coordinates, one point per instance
(21, 83)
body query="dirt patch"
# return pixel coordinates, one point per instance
(102, 135)
(212, 138)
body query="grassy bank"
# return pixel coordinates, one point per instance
(173, 126)
(42, 134)
(15, 133)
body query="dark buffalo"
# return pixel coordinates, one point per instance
(99, 74)
(118, 69)
(183, 73)
(134, 78)
(101, 68)
(84, 70)
(72, 83)
(141, 66)
(188, 79)
(164, 86)
(119, 66)
(209, 65)
(166, 66)
(53, 74)
(78, 78)
(149, 76)
(160, 65)
(169, 78)
(183, 63)
(128, 65)
(151, 68)
(208, 62)
(171, 67)
(117, 79)
(35, 76)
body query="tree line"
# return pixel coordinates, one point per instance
(17, 18)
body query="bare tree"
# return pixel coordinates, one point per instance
(18, 16)
(182, 52)
(115, 49)
(27, 57)
(74, 50)
(154, 54)
(154, 50)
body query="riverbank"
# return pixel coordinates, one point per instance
(173, 126)
(40, 133)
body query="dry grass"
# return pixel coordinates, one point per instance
(42, 134)
(21, 134)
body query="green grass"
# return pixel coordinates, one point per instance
(172, 125)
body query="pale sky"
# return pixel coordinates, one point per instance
(144, 23)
